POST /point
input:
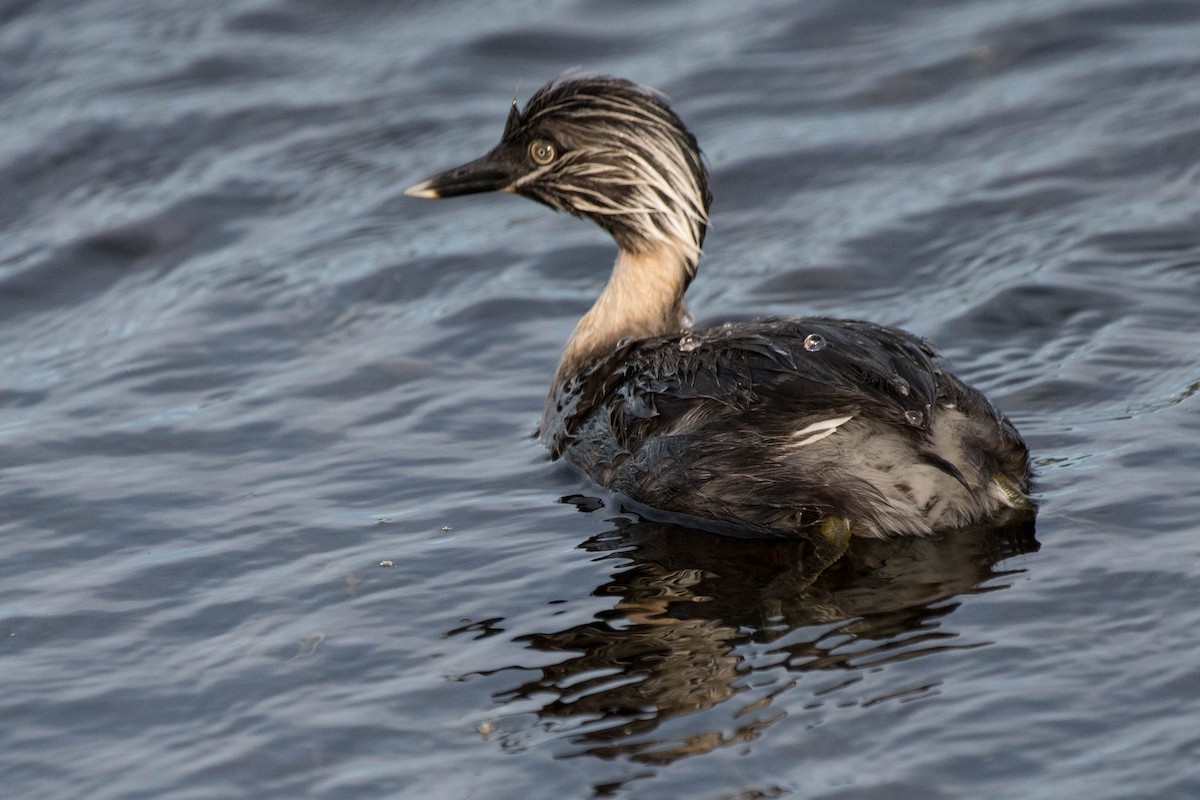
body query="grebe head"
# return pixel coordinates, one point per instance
(601, 148)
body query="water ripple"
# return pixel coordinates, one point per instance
(241, 371)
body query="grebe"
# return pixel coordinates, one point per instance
(811, 427)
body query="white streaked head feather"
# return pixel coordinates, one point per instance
(627, 161)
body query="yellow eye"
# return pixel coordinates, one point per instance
(542, 152)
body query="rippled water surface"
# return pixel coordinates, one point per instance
(239, 370)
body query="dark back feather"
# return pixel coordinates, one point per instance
(701, 422)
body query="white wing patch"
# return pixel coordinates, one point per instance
(818, 431)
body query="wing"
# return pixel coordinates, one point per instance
(785, 372)
(731, 423)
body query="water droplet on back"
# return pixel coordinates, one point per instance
(901, 386)
(688, 343)
(814, 342)
(914, 417)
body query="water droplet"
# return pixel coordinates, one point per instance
(688, 320)
(814, 342)
(901, 386)
(688, 343)
(914, 417)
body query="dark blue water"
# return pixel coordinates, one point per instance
(239, 369)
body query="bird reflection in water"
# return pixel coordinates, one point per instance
(701, 620)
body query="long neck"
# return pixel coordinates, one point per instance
(643, 297)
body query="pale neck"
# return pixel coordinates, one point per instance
(643, 298)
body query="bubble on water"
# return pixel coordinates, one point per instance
(688, 343)
(814, 342)
(914, 417)
(901, 386)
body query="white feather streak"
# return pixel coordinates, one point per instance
(819, 430)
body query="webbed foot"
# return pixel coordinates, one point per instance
(1008, 492)
(829, 543)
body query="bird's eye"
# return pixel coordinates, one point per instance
(542, 152)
